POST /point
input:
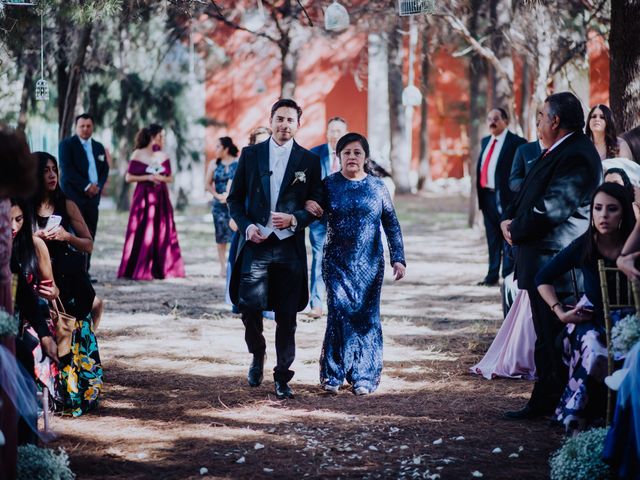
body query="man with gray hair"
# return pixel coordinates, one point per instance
(549, 212)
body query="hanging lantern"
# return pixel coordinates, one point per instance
(42, 87)
(336, 17)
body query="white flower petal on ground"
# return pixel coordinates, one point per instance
(267, 470)
(394, 430)
(373, 448)
(477, 474)
(403, 447)
(459, 438)
(240, 460)
(204, 471)
(258, 446)
(437, 442)
(417, 460)
(514, 455)
(520, 448)
(496, 450)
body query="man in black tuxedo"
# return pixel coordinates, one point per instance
(273, 181)
(83, 171)
(550, 211)
(494, 195)
(523, 161)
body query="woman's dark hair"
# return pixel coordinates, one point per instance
(17, 164)
(145, 134)
(23, 251)
(626, 181)
(352, 137)
(622, 195)
(227, 143)
(610, 133)
(58, 199)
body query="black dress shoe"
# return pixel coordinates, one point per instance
(255, 375)
(487, 283)
(526, 413)
(283, 390)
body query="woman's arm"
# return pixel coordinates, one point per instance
(129, 178)
(82, 240)
(208, 179)
(47, 287)
(630, 253)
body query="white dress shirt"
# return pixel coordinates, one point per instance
(493, 161)
(278, 161)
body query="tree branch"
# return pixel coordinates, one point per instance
(220, 16)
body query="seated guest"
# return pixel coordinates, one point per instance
(584, 338)
(619, 176)
(601, 129)
(80, 371)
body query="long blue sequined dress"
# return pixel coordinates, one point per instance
(353, 270)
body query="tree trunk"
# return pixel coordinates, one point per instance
(477, 109)
(625, 64)
(75, 78)
(501, 87)
(400, 161)
(27, 87)
(289, 74)
(424, 170)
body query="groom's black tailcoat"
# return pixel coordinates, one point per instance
(249, 203)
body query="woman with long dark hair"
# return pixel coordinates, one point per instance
(601, 129)
(585, 352)
(60, 224)
(151, 249)
(217, 182)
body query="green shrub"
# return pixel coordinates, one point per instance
(580, 457)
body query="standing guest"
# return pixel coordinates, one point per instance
(218, 181)
(550, 211)
(81, 370)
(329, 163)
(83, 172)
(268, 193)
(18, 177)
(151, 248)
(356, 204)
(601, 129)
(584, 338)
(494, 195)
(523, 160)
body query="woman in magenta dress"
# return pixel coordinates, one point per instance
(151, 247)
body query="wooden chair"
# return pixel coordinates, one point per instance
(632, 295)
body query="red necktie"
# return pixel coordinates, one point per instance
(484, 174)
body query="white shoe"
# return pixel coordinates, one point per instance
(331, 388)
(361, 391)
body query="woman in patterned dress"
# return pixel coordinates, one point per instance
(218, 181)
(584, 343)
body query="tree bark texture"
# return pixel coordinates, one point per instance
(400, 161)
(424, 170)
(27, 88)
(75, 78)
(502, 86)
(624, 86)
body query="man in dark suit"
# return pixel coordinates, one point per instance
(273, 181)
(83, 171)
(549, 212)
(494, 195)
(329, 163)
(523, 161)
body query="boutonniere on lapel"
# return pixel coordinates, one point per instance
(101, 158)
(299, 177)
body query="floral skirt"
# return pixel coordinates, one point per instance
(80, 379)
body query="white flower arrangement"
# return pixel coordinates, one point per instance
(300, 177)
(579, 458)
(8, 324)
(35, 463)
(625, 334)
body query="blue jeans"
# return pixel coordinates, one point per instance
(317, 234)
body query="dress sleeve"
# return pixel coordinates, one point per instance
(391, 227)
(566, 259)
(167, 167)
(136, 168)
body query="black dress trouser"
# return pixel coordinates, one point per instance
(498, 248)
(90, 215)
(271, 279)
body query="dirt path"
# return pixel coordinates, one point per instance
(176, 398)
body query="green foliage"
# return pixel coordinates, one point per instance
(580, 457)
(8, 323)
(35, 463)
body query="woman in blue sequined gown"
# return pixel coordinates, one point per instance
(356, 204)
